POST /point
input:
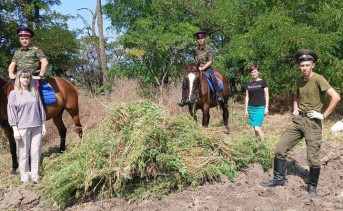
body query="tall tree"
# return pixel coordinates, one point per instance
(157, 35)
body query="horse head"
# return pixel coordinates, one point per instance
(192, 82)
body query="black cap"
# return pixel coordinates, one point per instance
(25, 31)
(200, 34)
(306, 55)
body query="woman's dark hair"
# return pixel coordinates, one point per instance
(254, 68)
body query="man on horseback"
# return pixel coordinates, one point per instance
(203, 56)
(28, 57)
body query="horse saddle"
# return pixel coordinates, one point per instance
(47, 93)
(220, 84)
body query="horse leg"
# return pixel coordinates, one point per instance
(226, 116)
(74, 113)
(62, 130)
(192, 110)
(13, 147)
(206, 115)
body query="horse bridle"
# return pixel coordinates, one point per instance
(8, 82)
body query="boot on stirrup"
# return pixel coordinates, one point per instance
(279, 174)
(312, 184)
(220, 98)
(218, 93)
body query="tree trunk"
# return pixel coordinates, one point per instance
(102, 61)
(95, 16)
(36, 15)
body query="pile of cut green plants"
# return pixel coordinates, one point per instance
(140, 150)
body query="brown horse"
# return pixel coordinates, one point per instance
(67, 99)
(200, 97)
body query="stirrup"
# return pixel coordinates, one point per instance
(220, 99)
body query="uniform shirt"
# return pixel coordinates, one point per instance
(203, 55)
(256, 92)
(312, 92)
(25, 110)
(28, 59)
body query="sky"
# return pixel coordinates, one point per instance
(70, 7)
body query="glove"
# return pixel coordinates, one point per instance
(315, 115)
(43, 129)
(337, 127)
(296, 112)
(16, 133)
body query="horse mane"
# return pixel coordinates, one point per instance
(192, 67)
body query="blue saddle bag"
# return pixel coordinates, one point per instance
(220, 83)
(47, 93)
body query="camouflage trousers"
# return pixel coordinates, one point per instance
(302, 127)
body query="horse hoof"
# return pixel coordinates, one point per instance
(62, 151)
(13, 172)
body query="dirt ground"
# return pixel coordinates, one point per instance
(244, 193)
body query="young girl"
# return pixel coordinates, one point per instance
(26, 116)
(256, 101)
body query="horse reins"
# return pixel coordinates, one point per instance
(8, 82)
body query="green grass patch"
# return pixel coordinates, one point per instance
(139, 151)
(252, 150)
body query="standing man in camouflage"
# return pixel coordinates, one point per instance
(203, 56)
(310, 90)
(28, 57)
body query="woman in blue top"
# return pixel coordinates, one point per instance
(256, 101)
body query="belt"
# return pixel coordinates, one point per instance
(303, 113)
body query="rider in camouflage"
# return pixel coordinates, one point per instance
(28, 57)
(203, 57)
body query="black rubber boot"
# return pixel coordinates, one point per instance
(218, 93)
(183, 101)
(279, 174)
(312, 184)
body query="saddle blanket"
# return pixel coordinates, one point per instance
(47, 93)
(220, 83)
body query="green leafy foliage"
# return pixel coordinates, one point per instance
(252, 151)
(242, 33)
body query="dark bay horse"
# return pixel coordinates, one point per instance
(67, 99)
(199, 94)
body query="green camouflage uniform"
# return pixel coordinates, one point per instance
(203, 55)
(29, 59)
(312, 93)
